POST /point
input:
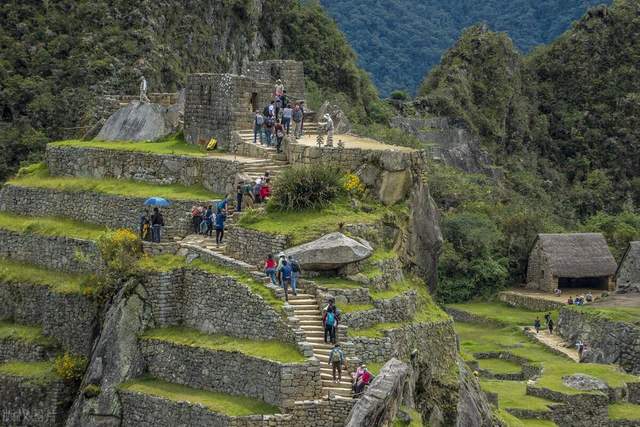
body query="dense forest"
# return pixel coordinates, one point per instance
(398, 41)
(58, 58)
(562, 127)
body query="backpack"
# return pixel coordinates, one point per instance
(280, 133)
(297, 115)
(331, 319)
(286, 271)
(265, 112)
(213, 143)
(269, 122)
(295, 267)
(259, 120)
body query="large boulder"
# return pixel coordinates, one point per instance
(330, 252)
(141, 122)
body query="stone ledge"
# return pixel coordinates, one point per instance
(397, 309)
(252, 246)
(515, 299)
(206, 255)
(24, 351)
(529, 370)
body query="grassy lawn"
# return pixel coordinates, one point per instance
(337, 283)
(617, 314)
(234, 406)
(350, 308)
(22, 273)
(50, 226)
(36, 372)
(499, 366)
(513, 394)
(416, 418)
(170, 145)
(512, 421)
(394, 290)
(305, 226)
(32, 334)
(624, 411)
(270, 350)
(503, 313)
(38, 176)
(165, 263)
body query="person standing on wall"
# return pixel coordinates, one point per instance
(157, 221)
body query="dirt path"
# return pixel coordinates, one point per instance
(556, 343)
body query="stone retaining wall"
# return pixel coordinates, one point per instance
(209, 303)
(253, 246)
(215, 174)
(232, 372)
(68, 318)
(346, 295)
(24, 351)
(32, 404)
(95, 208)
(397, 309)
(515, 299)
(578, 410)
(55, 253)
(607, 341)
(466, 317)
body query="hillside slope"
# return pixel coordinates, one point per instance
(399, 41)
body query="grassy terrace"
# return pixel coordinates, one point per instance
(308, 225)
(513, 394)
(499, 366)
(171, 145)
(165, 263)
(38, 176)
(617, 314)
(624, 411)
(512, 421)
(35, 372)
(31, 334)
(270, 350)
(50, 226)
(22, 273)
(503, 313)
(234, 406)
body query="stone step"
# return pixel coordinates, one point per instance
(337, 390)
(330, 384)
(305, 302)
(307, 311)
(304, 297)
(302, 307)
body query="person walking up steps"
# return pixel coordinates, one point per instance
(297, 121)
(270, 268)
(219, 221)
(330, 326)
(285, 277)
(287, 114)
(257, 127)
(336, 361)
(295, 273)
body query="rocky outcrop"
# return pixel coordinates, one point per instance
(473, 407)
(448, 142)
(584, 382)
(341, 123)
(140, 122)
(330, 252)
(381, 401)
(628, 274)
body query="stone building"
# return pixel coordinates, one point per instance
(628, 274)
(218, 104)
(574, 260)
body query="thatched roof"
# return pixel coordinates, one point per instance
(577, 254)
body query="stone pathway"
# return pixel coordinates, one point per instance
(557, 344)
(306, 309)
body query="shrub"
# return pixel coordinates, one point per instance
(121, 249)
(92, 390)
(353, 185)
(305, 187)
(69, 367)
(400, 95)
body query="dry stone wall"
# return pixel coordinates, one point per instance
(96, 208)
(23, 403)
(215, 174)
(253, 246)
(397, 309)
(232, 372)
(290, 72)
(515, 299)
(56, 253)
(25, 351)
(69, 318)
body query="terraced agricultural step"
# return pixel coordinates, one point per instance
(25, 344)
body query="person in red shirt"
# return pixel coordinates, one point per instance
(364, 380)
(265, 191)
(270, 268)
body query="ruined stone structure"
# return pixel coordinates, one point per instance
(570, 260)
(628, 274)
(218, 104)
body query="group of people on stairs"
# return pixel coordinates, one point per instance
(283, 273)
(274, 122)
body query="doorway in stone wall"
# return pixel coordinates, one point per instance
(254, 102)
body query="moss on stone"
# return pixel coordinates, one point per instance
(233, 406)
(337, 283)
(26, 333)
(14, 272)
(351, 308)
(269, 350)
(34, 372)
(50, 226)
(624, 411)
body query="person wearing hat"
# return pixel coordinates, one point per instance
(336, 361)
(363, 381)
(279, 89)
(355, 376)
(143, 90)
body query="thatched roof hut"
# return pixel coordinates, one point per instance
(570, 260)
(628, 274)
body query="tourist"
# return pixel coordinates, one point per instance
(547, 317)
(268, 130)
(580, 345)
(279, 106)
(330, 325)
(550, 326)
(157, 221)
(208, 217)
(589, 297)
(363, 381)
(355, 376)
(221, 217)
(570, 300)
(223, 205)
(536, 325)
(279, 132)
(557, 292)
(284, 98)
(272, 110)
(248, 197)
(336, 361)
(270, 268)
(285, 276)
(145, 225)
(302, 121)
(196, 218)
(265, 191)
(256, 190)
(239, 196)
(297, 121)
(295, 273)
(287, 114)
(279, 91)
(257, 127)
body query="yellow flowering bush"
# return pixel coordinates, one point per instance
(353, 184)
(120, 249)
(69, 367)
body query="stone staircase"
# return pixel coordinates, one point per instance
(263, 151)
(257, 168)
(305, 308)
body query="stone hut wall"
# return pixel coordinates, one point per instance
(96, 208)
(69, 318)
(539, 274)
(290, 72)
(215, 174)
(55, 253)
(253, 246)
(233, 373)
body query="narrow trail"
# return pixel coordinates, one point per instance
(557, 344)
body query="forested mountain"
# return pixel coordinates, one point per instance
(58, 57)
(398, 41)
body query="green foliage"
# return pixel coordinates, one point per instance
(300, 188)
(91, 391)
(400, 95)
(618, 229)
(624, 411)
(34, 372)
(15, 272)
(174, 144)
(69, 367)
(120, 249)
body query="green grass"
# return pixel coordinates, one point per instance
(14, 272)
(31, 334)
(234, 406)
(374, 367)
(305, 226)
(499, 366)
(171, 145)
(50, 226)
(164, 263)
(416, 418)
(36, 372)
(337, 283)
(394, 290)
(513, 394)
(503, 313)
(38, 176)
(512, 421)
(624, 411)
(270, 350)
(617, 314)
(350, 308)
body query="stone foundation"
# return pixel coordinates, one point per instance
(24, 351)
(253, 246)
(397, 309)
(515, 299)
